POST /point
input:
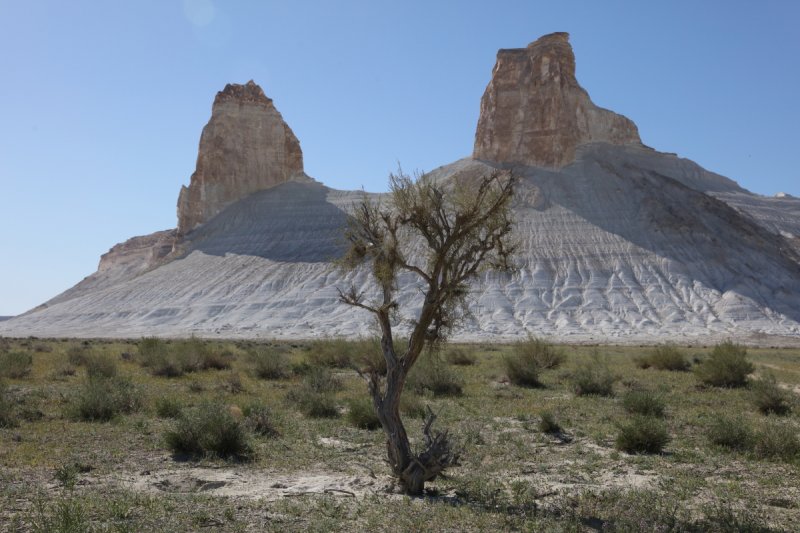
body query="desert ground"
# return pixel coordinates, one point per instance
(194, 435)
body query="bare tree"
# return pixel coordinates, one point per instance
(444, 234)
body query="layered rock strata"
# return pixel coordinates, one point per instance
(245, 147)
(535, 113)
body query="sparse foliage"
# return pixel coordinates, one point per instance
(726, 366)
(769, 398)
(15, 365)
(643, 402)
(665, 357)
(642, 434)
(593, 378)
(442, 234)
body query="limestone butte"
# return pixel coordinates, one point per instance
(535, 113)
(245, 147)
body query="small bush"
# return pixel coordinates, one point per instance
(769, 398)
(100, 366)
(315, 396)
(640, 402)
(367, 355)
(539, 352)
(431, 374)
(8, 418)
(15, 365)
(412, 406)
(361, 414)
(261, 420)
(730, 433)
(232, 383)
(269, 363)
(210, 429)
(102, 399)
(666, 357)
(168, 407)
(459, 357)
(642, 434)
(77, 354)
(548, 423)
(777, 440)
(727, 366)
(334, 352)
(593, 378)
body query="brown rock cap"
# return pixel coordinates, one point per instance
(534, 112)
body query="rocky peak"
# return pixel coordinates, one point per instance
(245, 147)
(534, 112)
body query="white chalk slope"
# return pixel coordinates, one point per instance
(625, 244)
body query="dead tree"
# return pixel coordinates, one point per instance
(445, 234)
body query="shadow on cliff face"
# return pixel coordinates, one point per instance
(292, 222)
(715, 244)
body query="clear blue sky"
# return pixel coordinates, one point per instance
(102, 102)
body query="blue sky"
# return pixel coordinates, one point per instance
(102, 102)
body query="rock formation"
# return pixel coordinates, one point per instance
(244, 148)
(534, 112)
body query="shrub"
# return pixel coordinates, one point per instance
(642, 434)
(459, 357)
(730, 433)
(642, 402)
(361, 414)
(777, 440)
(102, 399)
(593, 377)
(539, 352)
(194, 354)
(232, 383)
(77, 354)
(412, 406)
(548, 423)
(151, 350)
(769, 397)
(666, 357)
(727, 366)
(269, 363)
(8, 418)
(315, 396)
(431, 374)
(260, 420)
(100, 366)
(334, 352)
(15, 365)
(168, 407)
(210, 429)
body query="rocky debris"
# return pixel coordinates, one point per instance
(534, 112)
(245, 147)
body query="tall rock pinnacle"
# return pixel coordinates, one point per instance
(244, 148)
(534, 112)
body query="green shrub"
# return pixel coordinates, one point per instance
(77, 354)
(65, 515)
(333, 352)
(777, 439)
(151, 351)
(209, 429)
(367, 355)
(641, 402)
(8, 418)
(642, 434)
(666, 357)
(168, 407)
(261, 420)
(769, 397)
(430, 373)
(412, 406)
(102, 399)
(315, 396)
(100, 366)
(539, 352)
(15, 365)
(459, 357)
(593, 378)
(731, 433)
(548, 423)
(361, 414)
(195, 354)
(727, 366)
(269, 363)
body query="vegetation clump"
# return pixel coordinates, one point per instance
(548, 423)
(15, 364)
(726, 366)
(730, 433)
(209, 429)
(777, 439)
(643, 402)
(101, 399)
(665, 357)
(8, 417)
(100, 366)
(261, 420)
(179, 357)
(168, 407)
(315, 396)
(459, 357)
(333, 352)
(361, 414)
(593, 378)
(269, 363)
(769, 398)
(642, 434)
(434, 376)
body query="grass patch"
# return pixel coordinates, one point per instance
(168, 407)
(333, 353)
(431, 374)
(726, 366)
(101, 399)
(548, 423)
(665, 357)
(8, 416)
(593, 377)
(730, 433)
(269, 363)
(642, 434)
(315, 396)
(209, 430)
(769, 398)
(777, 439)
(261, 420)
(459, 357)
(361, 414)
(643, 402)
(15, 364)
(100, 366)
